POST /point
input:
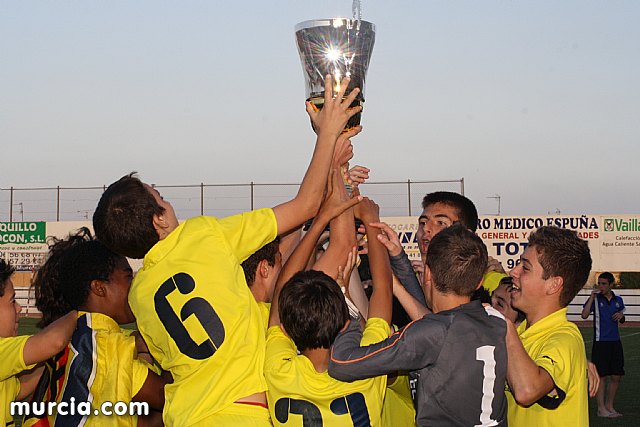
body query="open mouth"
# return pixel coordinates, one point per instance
(424, 245)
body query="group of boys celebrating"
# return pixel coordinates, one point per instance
(299, 346)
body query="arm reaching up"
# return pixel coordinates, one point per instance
(381, 299)
(332, 206)
(342, 234)
(330, 122)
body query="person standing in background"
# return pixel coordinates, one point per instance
(607, 353)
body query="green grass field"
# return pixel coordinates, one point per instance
(627, 400)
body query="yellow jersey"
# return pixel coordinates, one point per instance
(556, 345)
(12, 356)
(297, 392)
(265, 308)
(398, 409)
(198, 316)
(99, 365)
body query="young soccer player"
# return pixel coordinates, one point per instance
(456, 356)
(547, 362)
(307, 315)
(261, 271)
(190, 298)
(100, 363)
(21, 353)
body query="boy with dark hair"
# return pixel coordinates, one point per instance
(441, 209)
(461, 336)
(204, 326)
(608, 311)
(261, 271)
(306, 316)
(547, 362)
(464, 208)
(101, 363)
(20, 354)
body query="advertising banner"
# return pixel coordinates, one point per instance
(24, 244)
(614, 240)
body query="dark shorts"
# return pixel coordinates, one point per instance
(608, 357)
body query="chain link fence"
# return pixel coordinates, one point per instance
(396, 198)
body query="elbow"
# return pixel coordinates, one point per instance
(525, 397)
(58, 343)
(584, 316)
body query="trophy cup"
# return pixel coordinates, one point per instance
(340, 47)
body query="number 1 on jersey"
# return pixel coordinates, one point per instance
(485, 355)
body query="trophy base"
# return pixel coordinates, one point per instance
(318, 102)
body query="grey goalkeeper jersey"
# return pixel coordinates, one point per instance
(457, 359)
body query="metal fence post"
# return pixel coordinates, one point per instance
(462, 185)
(251, 195)
(409, 194)
(202, 198)
(11, 205)
(58, 207)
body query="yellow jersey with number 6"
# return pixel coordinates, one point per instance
(198, 316)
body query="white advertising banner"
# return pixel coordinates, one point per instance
(614, 240)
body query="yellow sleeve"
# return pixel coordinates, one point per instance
(139, 375)
(249, 231)
(559, 356)
(375, 330)
(279, 348)
(12, 356)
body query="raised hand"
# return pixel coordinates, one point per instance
(336, 112)
(357, 175)
(388, 238)
(367, 210)
(334, 203)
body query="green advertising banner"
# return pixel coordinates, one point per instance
(22, 233)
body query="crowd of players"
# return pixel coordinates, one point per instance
(249, 321)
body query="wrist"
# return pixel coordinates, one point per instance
(329, 136)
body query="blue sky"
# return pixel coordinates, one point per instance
(536, 101)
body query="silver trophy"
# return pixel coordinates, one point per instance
(340, 47)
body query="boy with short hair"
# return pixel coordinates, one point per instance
(547, 361)
(306, 316)
(21, 353)
(456, 356)
(261, 271)
(607, 354)
(203, 325)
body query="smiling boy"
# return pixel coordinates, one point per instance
(547, 362)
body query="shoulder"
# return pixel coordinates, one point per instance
(12, 355)
(565, 336)
(375, 330)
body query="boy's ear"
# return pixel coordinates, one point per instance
(427, 275)
(98, 288)
(160, 225)
(263, 268)
(480, 283)
(555, 285)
